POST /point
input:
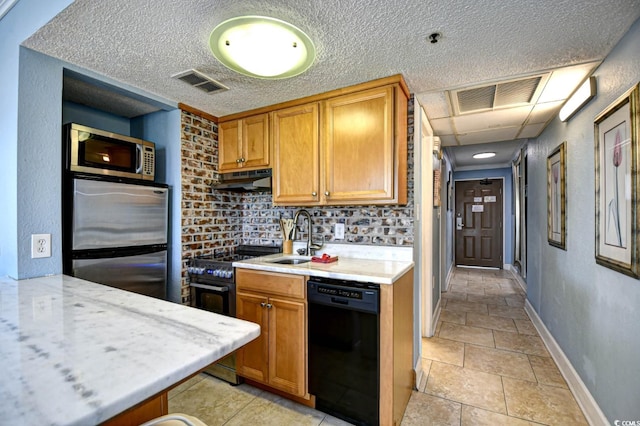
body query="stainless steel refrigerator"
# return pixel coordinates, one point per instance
(115, 233)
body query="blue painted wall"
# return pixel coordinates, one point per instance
(163, 128)
(17, 25)
(507, 199)
(31, 149)
(591, 311)
(80, 114)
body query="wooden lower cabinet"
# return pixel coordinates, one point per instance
(278, 358)
(148, 410)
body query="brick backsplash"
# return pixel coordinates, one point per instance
(216, 222)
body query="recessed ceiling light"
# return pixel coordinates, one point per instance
(262, 47)
(484, 155)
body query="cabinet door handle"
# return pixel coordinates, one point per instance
(242, 160)
(326, 193)
(269, 306)
(314, 193)
(262, 304)
(239, 160)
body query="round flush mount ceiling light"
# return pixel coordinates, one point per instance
(484, 155)
(262, 47)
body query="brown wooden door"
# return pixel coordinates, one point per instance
(229, 149)
(252, 360)
(287, 345)
(296, 163)
(478, 223)
(359, 149)
(255, 141)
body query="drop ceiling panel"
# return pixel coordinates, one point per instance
(532, 130)
(495, 135)
(448, 140)
(542, 113)
(491, 119)
(442, 126)
(564, 81)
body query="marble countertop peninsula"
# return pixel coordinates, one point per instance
(74, 352)
(379, 265)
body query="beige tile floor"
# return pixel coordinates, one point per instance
(218, 403)
(486, 365)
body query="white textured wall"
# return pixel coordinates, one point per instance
(591, 310)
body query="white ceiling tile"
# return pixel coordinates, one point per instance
(441, 126)
(448, 140)
(532, 130)
(564, 81)
(492, 119)
(495, 135)
(542, 113)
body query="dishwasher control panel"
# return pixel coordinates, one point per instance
(363, 297)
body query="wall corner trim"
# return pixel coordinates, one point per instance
(587, 403)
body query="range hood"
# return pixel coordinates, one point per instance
(255, 180)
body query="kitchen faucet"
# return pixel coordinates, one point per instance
(311, 247)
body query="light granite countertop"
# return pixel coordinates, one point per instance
(77, 353)
(379, 265)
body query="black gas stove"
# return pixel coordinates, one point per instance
(213, 288)
(214, 274)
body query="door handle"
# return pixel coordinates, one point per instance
(459, 224)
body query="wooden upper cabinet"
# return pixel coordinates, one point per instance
(344, 147)
(296, 155)
(359, 147)
(244, 143)
(344, 150)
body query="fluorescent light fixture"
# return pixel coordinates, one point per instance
(580, 98)
(262, 47)
(481, 155)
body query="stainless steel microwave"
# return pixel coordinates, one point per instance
(103, 153)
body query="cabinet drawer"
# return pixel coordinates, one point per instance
(271, 283)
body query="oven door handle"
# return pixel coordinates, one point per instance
(211, 287)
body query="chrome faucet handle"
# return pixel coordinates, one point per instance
(301, 251)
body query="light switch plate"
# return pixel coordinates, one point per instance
(339, 231)
(40, 245)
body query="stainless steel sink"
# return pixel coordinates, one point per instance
(290, 261)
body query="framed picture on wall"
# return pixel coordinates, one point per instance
(617, 163)
(557, 197)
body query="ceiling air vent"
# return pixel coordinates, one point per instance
(499, 95)
(201, 81)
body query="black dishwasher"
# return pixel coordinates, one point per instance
(344, 348)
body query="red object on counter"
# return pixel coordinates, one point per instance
(324, 259)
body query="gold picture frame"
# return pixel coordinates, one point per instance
(557, 197)
(617, 163)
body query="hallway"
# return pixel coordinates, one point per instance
(486, 363)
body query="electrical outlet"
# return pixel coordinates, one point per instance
(40, 245)
(339, 231)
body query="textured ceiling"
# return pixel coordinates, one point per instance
(143, 42)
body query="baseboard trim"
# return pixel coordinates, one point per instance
(521, 282)
(585, 400)
(436, 317)
(447, 281)
(418, 373)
